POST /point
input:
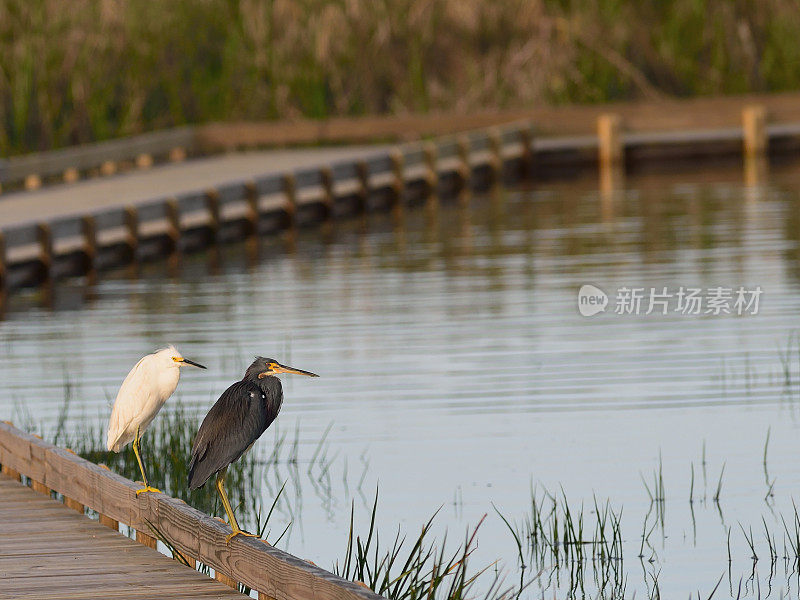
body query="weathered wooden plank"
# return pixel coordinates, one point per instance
(75, 557)
(253, 562)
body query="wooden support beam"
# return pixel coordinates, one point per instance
(132, 229)
(173, 215)
(290, 191)
(89, 231)
(9, 472)
(109, 522)
(146, 539)
(45, 237)
(38, 486)
(74, 505)
(222, 578)
(754, 124)
(252, 215)
(212, 204)
(328, 191)
(362, 171)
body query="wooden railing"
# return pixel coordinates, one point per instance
(141, 151)
(197, 536)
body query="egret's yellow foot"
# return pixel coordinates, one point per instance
(230, 536)
(148, 488)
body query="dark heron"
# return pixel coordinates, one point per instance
(234, 423)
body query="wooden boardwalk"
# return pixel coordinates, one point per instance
(85, 228)
(50, 551)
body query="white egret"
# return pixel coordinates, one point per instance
(145, 390)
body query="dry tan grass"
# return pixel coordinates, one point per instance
(92, 69)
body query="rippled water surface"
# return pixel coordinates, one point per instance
(456, 370)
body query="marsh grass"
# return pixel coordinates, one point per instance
(557, 537)
(104, 69)
(407, 568)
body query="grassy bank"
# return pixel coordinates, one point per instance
(105, 68)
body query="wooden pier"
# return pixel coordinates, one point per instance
(84, 231)
(50, 547)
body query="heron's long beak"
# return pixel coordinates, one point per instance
(191, 363)
(285, 369)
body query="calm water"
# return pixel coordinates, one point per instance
(456, 370)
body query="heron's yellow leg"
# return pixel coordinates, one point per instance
(236, 530)
(136, 450)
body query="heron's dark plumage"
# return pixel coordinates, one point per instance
(242, 413)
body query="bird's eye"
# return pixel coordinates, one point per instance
(273, 366)
(177, 358)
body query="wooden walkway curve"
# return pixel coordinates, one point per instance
(50, 551)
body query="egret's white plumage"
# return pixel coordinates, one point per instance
(145, 390)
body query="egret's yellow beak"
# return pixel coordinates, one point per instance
(186, 362)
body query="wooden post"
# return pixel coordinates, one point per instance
(89, 227)
(362, 171)
(144, 161)
(222, 578)
(132, 229)
(174, 222)
(177, 154)
(70, 175)
(611, 152)
(146, 539)
(328, 194)
(431, 171)
(496, 145)
(398, 171)
(33, 182)
(45, 235)
(754, 123)
(252, 214)
(212, 204)
(290, 190)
